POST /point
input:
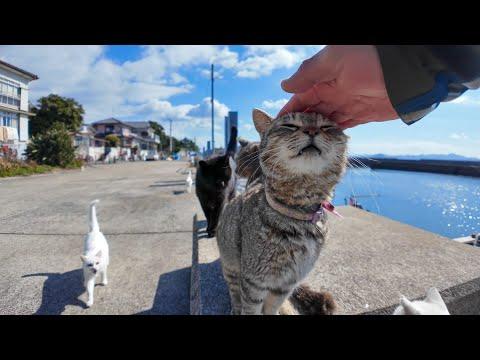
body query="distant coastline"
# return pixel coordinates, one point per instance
(452, 167)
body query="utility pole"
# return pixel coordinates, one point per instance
(213, 121)
(171, 147)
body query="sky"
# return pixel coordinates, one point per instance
(138, 83)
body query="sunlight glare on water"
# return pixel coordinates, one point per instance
(444, 204)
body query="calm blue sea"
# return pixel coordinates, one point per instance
(448, 205)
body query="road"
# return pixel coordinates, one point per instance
(146, 216)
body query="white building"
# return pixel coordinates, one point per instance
(14, 108)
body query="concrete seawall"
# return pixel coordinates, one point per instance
(367, 262)
(465, 168)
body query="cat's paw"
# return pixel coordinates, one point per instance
(104, 283)
(89, 303)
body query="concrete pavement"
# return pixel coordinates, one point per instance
(367, 262)
(145, 215)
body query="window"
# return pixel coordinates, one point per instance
(8, 119)
(9, 87)
(10, 92)
(9, 100)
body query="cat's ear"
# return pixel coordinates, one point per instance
(202, 164)
(84, 258)
(243, 142)
(409, 307)
(433, 296)
(99, 254)
(261, 120)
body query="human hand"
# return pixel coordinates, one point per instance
(342, 82)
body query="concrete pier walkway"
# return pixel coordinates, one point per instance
(145, 215)
(156, 268)
(367, 263)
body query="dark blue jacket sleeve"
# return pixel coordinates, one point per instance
(419, 77)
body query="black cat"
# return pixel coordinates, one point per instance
(211, 183)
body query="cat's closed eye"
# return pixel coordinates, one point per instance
(327, 127)
(290, 127)
(330, 129)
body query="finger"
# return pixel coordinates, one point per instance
(293, 105)
(314, 70)
(351, 123)
(340, 117)
(327, 109)
(323, 98)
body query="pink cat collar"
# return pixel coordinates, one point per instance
(313, 217)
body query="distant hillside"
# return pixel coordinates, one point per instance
(452, 157)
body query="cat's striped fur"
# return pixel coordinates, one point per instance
(264, 254)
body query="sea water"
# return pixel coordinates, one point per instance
(448, 205)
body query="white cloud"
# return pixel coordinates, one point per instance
(248, 127)
(262, 60)
(178, 79)
(208, 73)
(466, 100)
(103, 87)
(188, 120)
(142, 88)
(459, 136)
(274, 104)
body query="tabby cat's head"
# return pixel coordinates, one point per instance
(247, 158)
(299, 144)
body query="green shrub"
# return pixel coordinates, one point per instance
(52, 148)
(112, 140)
(19, 168)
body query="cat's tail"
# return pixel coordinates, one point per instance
(305, 301)
(232, 145)
(92, 219)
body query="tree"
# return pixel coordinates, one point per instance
(54, 109)
(160, 132)
(177, 145)
(112, 140)
(54, 148)
(188, 144)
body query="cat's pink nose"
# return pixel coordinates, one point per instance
(311, 130)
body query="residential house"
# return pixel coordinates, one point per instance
(136, 138)
(14, 110)
(87, 146)
(145, 135)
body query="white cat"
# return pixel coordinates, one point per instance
(432, 305)
(95, 256)
(189, 181)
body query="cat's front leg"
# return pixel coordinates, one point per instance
(253, 295)
(232, 279)
(90, 288)
(103, 277)
(274, 300)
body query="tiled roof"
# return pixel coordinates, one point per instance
(138, 124)
(18, 70)
(110, 121)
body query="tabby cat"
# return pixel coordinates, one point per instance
(248, 163)
(271, 235)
